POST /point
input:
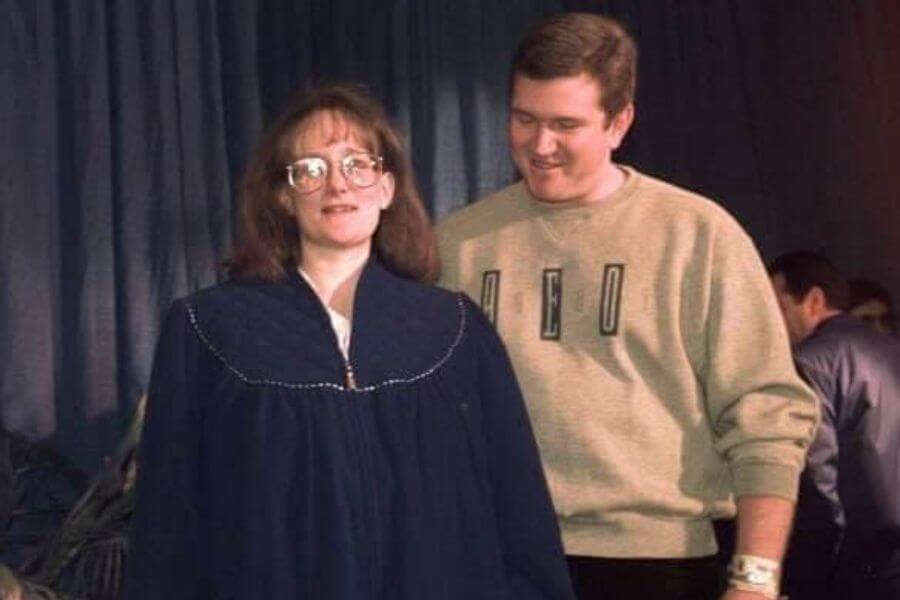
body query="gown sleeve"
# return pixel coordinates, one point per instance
(164, 554)
(529, 533)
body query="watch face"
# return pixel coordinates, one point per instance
(758, 578)
(758, 574)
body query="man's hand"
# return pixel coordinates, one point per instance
(733, 594)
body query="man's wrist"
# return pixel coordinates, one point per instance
(754, 574)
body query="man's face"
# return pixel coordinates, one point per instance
(796, 313)
(560, 137)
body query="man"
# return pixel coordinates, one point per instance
(854, 464)
(644, 332)
(871, 302)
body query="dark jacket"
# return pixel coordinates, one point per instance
(854, 463)
(263, 474)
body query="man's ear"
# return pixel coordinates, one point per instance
(815, 302)
(620, 126)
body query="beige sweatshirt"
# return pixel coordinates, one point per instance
(652, 355)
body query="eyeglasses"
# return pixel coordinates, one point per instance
(308, 174)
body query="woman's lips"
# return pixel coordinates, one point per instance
(338, 208)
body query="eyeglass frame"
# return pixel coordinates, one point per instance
(378, 165)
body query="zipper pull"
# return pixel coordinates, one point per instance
(351, 380)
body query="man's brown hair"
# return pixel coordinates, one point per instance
(803, 271)
(570, 44)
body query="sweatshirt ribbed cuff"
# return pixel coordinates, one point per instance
(766, 479)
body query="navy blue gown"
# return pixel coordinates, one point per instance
(268, 471)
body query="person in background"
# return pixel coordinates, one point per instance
(849, 522)
(324, 424)
(645, 334)
(871, 302)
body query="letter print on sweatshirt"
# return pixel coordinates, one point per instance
(490, 294)
(551, 304)
(611, 298)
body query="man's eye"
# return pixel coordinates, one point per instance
(523, 119)
(566, 125)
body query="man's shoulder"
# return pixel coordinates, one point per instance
(669, 200)
(844, 353)
(820, 349)
(484, 216)
(845, 336)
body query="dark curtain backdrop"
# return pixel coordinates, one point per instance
(124, 125)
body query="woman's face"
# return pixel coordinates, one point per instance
(875, 313)
(338, 189)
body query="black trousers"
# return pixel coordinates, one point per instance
(875, 576)
(646, 579)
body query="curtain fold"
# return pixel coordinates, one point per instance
(124, 126)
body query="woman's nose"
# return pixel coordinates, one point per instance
(335, 181)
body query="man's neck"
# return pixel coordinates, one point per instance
(827, 314)
(821, 318)
(612, 179)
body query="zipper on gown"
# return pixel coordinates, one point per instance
(348, 371)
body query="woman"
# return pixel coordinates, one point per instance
(871, 302)
(324, 425)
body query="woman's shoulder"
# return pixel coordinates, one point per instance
(263, 331)
(234, 294)
(266, 331)
(415, 296)
(402, 329)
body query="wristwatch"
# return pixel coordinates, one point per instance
(754, 574)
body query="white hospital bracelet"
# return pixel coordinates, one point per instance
(754, 574)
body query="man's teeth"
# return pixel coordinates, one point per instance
(543, 164)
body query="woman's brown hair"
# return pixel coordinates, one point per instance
(268, 237)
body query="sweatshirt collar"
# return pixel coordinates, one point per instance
(567, 210)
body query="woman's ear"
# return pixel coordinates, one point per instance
(388, 187)
(287, 203)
